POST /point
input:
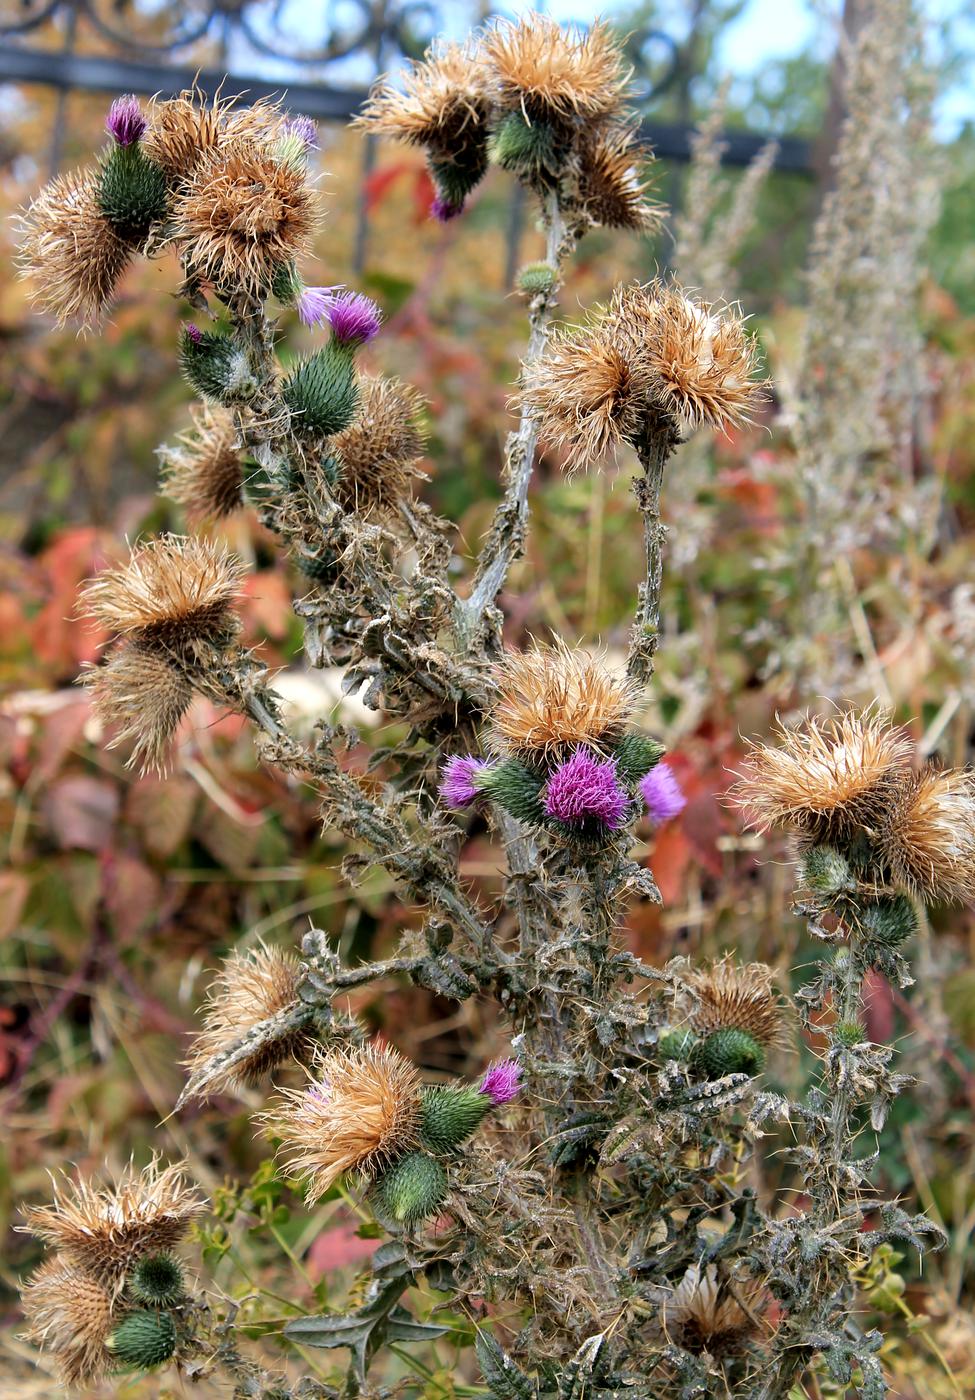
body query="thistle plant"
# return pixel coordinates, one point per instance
(582, 1200)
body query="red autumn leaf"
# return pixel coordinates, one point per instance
(337, 1247)
(81, 813)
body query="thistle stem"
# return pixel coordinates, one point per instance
(653, 452)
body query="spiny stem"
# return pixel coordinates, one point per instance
(653, 452)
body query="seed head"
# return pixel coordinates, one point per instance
(928, 838)
(359, 1113)
(241, 214)
(584, 792)
(379, 451)
(442, 105)
(704, 1315)
(145, 697)
(174, 590)
(662, 793)
(70, 1314)
(553, 74)
(612, 186)
(70, 252)
(552, 701)
(732, 996)
(828, 778)
(249, 988)
(202, 471)
(189, 128)
(105, 1230)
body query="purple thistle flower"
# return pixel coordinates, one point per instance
(303, 129)
(502, 1081)
(355, 318)
(443, 209)
(193, 332)
(582, 789)
(313, 304)
(457, 787)
(662, 793)
(125, 122)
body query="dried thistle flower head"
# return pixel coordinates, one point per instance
(443, 104)
(612, 184)
(828, 778)
(185, 129)
(241, 215)
(360, 1113)
(70, 1314)
(733, 996)
(703, 1314)
(250, 988)
(203, 471)
(379, 450)
(70, 252)
(552, 700)
(146, 697)
(174, 590)
(105, 1230)
(553, 74)
(928, 839)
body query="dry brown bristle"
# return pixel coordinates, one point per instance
(70, 1314)
(249, 988)
(145, 697)
(443, 105)
(243, 214)
(829, 778)
(360, 1112)
(546, 71)
(929, 838)
(185, 129)
(732, 996)
(174, 590)
(203, 471)
(612, 186)
(552, 700)
(105, 1230)
(70, 252)
(379, 451)
(704, 1314)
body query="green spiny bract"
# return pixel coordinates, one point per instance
(677, 1044)
(449, 1116)
(849, 1033)
(455, 179)
(536, 277)
(321, 391)
(286, 284)
(827, 871)
(635, 755)
(515, 788)
(528, 149)
(157, 1279)
(414, 1187)
(143, 1339)
(727, 1051)
(132, 192)
(890, 921)
(215, 367)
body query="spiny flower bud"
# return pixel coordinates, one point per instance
(729, 996)
(321, 391)
(727, 1051)
(515, 788)
(530, 150)
(890, 921)
(635, 755)
(827, 871)
(413, 1188)
(535, 278)
(132, 192)
(849, 1033)
(449, 1116)
(143, 1339)
(677, 1044)
(215, 367)
(157, 1280)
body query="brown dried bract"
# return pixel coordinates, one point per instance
(70, 1314)
(929, 837)
(145, 697)
(552, 73)
(443, 104)
(612, 184)
(185, 129)
(729, 995)
(203, 471)
(378, 453)
(552, 700)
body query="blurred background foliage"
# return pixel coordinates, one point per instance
(118, 894)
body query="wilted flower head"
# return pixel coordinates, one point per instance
(105, 1230)
(174, 590)
(354, 318)
(829, 777)
(361, 1112)
(188, 128)
(662, 793)
(457, 786)
(442, 103)
(379, 451)
(704, 1315)
(125, 122)
(928, 839)
(733, 996)
(70, 1314)
(203, 471)
(612, 184)
(552, 700)
(250, 988)
(502, 1081)
(241, 214)
(145, 697)
(553, 74)
(585, 792)
(70, 252)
